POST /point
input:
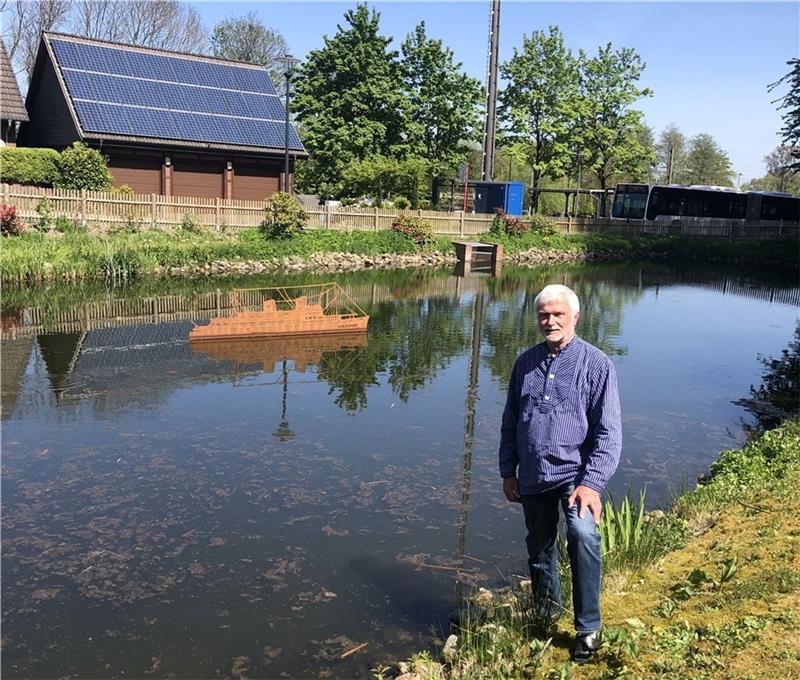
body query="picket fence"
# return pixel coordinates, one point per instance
(103, 210)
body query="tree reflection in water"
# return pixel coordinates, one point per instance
(778, 395)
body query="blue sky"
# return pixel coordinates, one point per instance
(708, 63)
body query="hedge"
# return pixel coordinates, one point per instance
(39, 167)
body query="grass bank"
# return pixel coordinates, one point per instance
(712, 591)
(772, 253)
(80, 256)
(36, 257)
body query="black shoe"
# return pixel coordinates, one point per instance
(585, 647)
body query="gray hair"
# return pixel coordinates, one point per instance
(555, 291)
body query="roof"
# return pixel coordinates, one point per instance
(11, 105)
(126, 93)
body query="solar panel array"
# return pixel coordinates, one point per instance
(171, 97)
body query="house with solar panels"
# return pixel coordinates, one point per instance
(170, 123)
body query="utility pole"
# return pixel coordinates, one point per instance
(491, 95)
(669, 168)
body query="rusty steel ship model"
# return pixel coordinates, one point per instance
(285, 311)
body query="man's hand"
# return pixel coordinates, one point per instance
(511, 489)
(587, 498)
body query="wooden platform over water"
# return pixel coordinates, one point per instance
(466, 251)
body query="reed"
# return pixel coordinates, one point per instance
(630, 538)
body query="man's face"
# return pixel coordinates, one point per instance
(557, 322)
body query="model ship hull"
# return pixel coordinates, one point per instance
(301, 320)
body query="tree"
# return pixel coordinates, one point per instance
(538, 106)
(385, 178)
(780, 176)
(246, 38)
(165, 24)
(350, 102)
(27, 20)
(444, 102)
(706, 163)
(609, 129)
(791, 103)
(671, 154)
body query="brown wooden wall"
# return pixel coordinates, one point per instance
(142, 173)
(256, 181)
(200, 177)
(50, 119)
(197, 175)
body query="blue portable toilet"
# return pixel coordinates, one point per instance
(505, 195)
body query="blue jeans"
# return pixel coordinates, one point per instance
(583, 546)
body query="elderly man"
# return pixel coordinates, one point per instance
(560, 443)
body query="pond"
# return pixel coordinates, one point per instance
(262, 509)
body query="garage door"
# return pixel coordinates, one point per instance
(143, 175)
(255, 183)
(197, 178)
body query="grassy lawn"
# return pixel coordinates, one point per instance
(724, 604)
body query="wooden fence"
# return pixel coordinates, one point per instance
(153, 211)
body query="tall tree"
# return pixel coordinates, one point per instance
(444, 102)
(27, 20)
(609, 129)
(165, 24)
(780, 175)
(671, 154)
(350, 102)
(791, 103)
(538, 106)
(706, 163)
(247, 38)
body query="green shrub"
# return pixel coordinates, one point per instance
(507, 224)
(83, 168)
(191, 224)
(284, 217)
(68, 226)
(38, 167)
(414, 228)
(10, 222)
(544, 225)
(44, 209)
(401, 203)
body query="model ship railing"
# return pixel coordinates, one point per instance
(331, 298)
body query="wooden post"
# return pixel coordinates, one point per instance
(375, 219)
(219, 293)
(216, 213)
(152, 211)
(5, 193)
(461, 224)
(82, 214)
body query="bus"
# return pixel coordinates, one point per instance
(670, 202)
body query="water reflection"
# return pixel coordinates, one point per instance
(778, 396)
(272, 504)
(266, 352)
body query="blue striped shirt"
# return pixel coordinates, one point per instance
(562, 419)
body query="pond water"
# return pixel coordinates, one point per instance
(259, 510)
